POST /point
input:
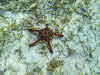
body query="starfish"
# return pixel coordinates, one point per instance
(46, 35)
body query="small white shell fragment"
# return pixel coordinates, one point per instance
(33, 5)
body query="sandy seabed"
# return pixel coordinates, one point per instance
(77, 53)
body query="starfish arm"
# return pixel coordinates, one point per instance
(34, 30)
(57, 34)
(32, 44)
(47, 25)
(50, 46)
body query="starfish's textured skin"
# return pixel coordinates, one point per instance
(46, 35)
